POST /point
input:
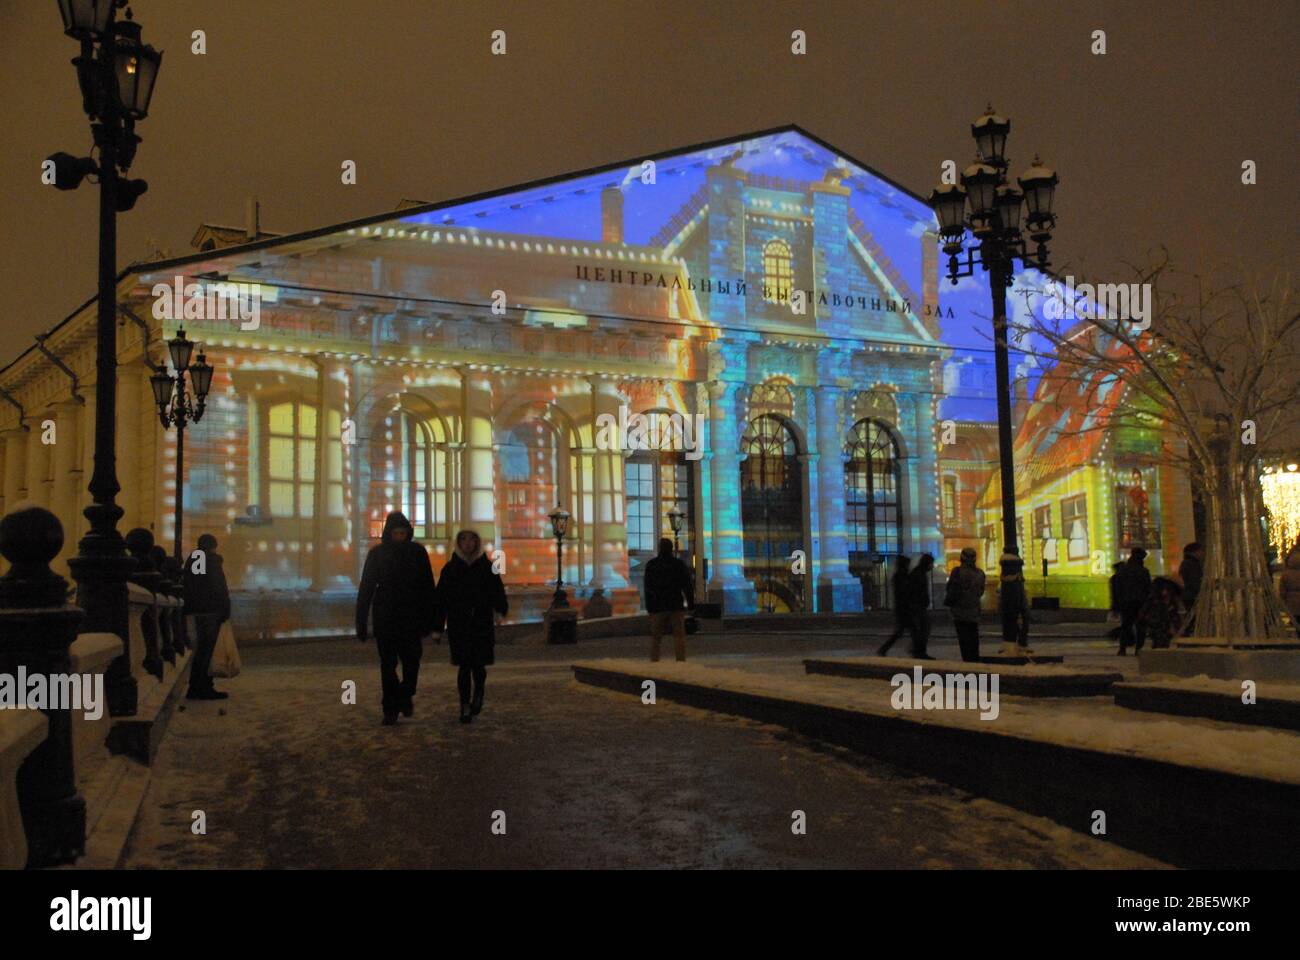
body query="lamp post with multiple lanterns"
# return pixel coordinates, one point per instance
(116, 72)
(176, 407)
(991, 209)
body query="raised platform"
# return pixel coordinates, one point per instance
(1276, 705)
(1163, 792)
(1029, 681)
(139, 735)
(1222, 663)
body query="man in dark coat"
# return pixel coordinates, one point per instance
(962, 598)
(471, 597)
(397, 585)
(207, 600)
(918, 591)
(1191, 571)
(669, 593)
(1132, 585)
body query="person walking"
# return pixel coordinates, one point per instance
(1289, 586)
(1132, 586)
(918, 588)
(471, 598)
(962, 598)
(667, 587)
(207, 600)
(902, 604)
(1191, 571)
(397, 593)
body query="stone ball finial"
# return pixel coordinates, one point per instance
(30, 535)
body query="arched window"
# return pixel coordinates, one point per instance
(871, 484)
(777, 273)
(422, 475)
(410, 472)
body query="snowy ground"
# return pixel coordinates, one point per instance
(288, 776)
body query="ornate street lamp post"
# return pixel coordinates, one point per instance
(116, 73)
(675, 519)
(559, 528)
(176, 407)
(994, 219)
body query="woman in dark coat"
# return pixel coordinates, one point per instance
(470, 598)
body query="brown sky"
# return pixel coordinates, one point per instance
(1148, 139)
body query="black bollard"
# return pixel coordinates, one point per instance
(37, 626)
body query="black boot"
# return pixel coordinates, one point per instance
(466, 713)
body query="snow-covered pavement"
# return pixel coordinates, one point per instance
(290, 776)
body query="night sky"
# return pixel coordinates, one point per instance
(1148, 139)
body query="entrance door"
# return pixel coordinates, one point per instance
(656, 482)
(771, 511)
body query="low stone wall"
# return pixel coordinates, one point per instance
(21, 732)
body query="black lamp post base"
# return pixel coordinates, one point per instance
(56, 831)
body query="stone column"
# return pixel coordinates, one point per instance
(727, 583)
(478, 491)
(837, 590)
(609, 523)
(37, 462)
(67, 474)
(326, 571)
(15, 475)
(130, 385)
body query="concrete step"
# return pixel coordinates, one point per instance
(1214, 700)
(1153, 799)
(1020, 680)
(139, 735)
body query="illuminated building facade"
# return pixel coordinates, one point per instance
(457, 362)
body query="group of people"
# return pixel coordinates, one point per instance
(962, 596)
(399, 596)
(1161, 608)
(1156, 609)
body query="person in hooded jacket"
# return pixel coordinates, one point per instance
(966, 585)
(471, 597)
(397, 589)
(1132, 586)
(1289, 586)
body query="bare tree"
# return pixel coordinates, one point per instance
(1215, 364)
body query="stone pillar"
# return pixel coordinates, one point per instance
(837, 589)
(326, 574)
(67, 473)
(37, 626)
(727, 583)
(478, 492)
(38, 461)
(130, 386)
(609, 523)
(830, 203)
(15, 475)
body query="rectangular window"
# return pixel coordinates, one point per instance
(1043, 533)
(1074, 525)
(950, 500)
